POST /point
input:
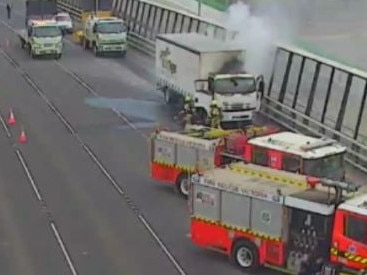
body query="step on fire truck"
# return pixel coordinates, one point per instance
(278, 222)
(176, 155)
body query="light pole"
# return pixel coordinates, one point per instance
(199, 7)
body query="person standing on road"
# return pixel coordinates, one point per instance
(8, 10)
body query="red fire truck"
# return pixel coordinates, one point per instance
(276, 222)
(176, 155)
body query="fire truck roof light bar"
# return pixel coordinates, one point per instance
(318, 144)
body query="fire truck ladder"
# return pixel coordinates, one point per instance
(282, 177)
(203, 132)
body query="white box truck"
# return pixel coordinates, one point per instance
(191, 64)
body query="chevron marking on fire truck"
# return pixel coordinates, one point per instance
(184, 168)
(274, 176)
(236, 228)
(349, 256)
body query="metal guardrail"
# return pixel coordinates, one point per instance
(75, 12)
(277, 111)
(142, 44)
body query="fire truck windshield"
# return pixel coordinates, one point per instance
(331, 167)
(234, 85)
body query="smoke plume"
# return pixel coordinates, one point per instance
(257, 28)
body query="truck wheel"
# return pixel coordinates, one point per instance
(22, 43)
(85, 44)
(182, 185)
(245, 255)
(58, 56)
(95, 50)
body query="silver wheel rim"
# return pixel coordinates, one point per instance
(244, 257)
(184, 186)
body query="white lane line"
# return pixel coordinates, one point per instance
(29, 175)
(5, 126)
(162, 245)
(94, 93)
(63, 248)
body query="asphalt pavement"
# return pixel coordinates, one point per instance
(88, 153)
(27, 242)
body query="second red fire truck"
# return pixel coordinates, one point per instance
(279, 220)
(176, 155)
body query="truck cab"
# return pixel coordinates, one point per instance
(238, 94)
(349, 237)
(43, 37)
(105, 35)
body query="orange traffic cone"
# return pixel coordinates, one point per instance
(22, 137)
(11, 119)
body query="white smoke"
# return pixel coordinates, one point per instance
(258, 30)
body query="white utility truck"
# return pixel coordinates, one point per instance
(42, 35)
(206, 69)
(105, 34)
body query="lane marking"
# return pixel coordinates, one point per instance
(5, 126)
(52, 224)
(96, 161)
(29, 175)
(63, 248)
(96, 94)
(162, 245)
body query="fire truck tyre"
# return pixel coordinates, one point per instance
(182, 185)
(245, 255)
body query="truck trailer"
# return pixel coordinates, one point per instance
(273, 222)
(206, 69)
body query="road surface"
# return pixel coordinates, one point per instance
(77, 198)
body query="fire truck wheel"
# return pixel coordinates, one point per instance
(245, 255)
(182, 185)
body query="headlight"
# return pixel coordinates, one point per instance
(59, 44)
(36, 45)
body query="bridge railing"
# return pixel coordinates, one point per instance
(305, 92)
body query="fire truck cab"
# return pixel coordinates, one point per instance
(258, 216)
(298, 153)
